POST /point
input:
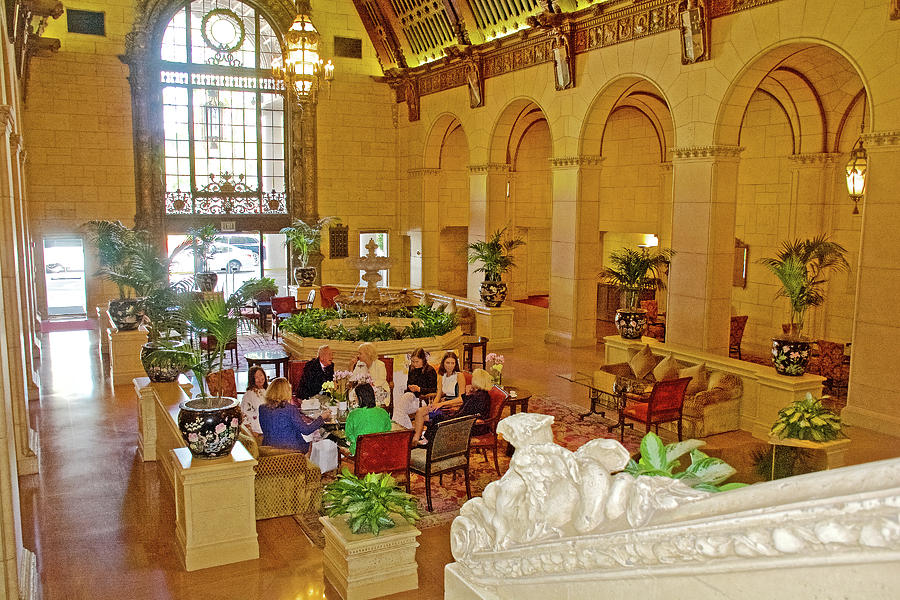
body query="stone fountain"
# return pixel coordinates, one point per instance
(372, 300)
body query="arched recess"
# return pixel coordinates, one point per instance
(520, 193)
(630, 126)
(446, 163)
(795, 110)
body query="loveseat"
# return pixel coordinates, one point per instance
(287, 483)
(713, 402)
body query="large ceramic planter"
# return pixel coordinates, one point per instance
(493, 293)
(304, 276)
(206, 282)
(126, 313)
(362, 565)
(210, 432)
(161, 371)
(790, 356)
(631, 322)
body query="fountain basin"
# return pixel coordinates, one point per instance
(305, 348)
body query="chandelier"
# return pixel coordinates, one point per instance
(857, 168)
(300, 66)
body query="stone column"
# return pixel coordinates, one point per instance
(15, 308)
(487, 196)
(874, 377)
(703, 217)
(424, 188)
(575, 256)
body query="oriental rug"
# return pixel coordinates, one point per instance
(569, 431)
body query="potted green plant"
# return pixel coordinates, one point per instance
(495, 258)
(258, 289)
(801, 267)
(664, 460)
(305, 239)
(202, 239)
(114, 244)
(209, 422)
(633, 272)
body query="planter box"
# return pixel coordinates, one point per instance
(305, 348)
(835, 450)
(362, 566)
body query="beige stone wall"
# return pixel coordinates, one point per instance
(452, 263)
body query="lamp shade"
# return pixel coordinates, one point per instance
(857, 168)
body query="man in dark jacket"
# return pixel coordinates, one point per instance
(316, 372)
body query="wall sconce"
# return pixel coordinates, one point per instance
(857, 169)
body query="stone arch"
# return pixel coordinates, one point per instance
(518, 115)
(443, 125)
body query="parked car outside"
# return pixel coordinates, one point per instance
(224, 257)
(247, 242)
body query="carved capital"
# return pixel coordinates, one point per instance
(815, 158)
(895, 10)
(665, 166)
(15, 142)
(571, 162)
(6, 116)
(715, 151)
(881, 138)
(422, 172)
(489, 168)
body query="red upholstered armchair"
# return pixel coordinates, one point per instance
(329, 293)
(656, 327)
(295, 372)
(384, 453)
(664, 405)
(488, 441)
(282, 308)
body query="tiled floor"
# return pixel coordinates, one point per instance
(101, 528)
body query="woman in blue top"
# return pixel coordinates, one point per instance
(282, 423)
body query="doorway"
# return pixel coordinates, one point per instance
(64, 277)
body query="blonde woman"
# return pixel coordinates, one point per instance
(476, 401)
(282, 423)
(366, 363)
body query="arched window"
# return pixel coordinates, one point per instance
(223, 113)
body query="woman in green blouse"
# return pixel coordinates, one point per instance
(368, 418)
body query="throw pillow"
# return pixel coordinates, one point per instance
(450, 309)
(423, 301)
(698, 375)
(666, 369)
(642, 362)
(437, 306)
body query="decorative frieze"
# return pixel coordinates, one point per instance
(422, 172)
(815, 158)
(881, 138)
(714, 151)
(576, 161)
(488, 168)
(720, 8)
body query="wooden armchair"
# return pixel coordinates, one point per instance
(656, 324)
(384, 453)
(832, 365)
(737, 334)
(448, 451)
(665, 404)
(329, 293)
(282, 308)
(222, 383)
(287, 483)
(488, 441)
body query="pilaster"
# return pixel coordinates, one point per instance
(874, 379)
(574, 250)
(424, 259)
(703, 218)
(487, 195)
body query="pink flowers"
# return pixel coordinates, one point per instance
(220, 427)
(193, 437)
(494, 359)
(234, 422)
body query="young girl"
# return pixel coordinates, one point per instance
(257, 382)
(452, 383)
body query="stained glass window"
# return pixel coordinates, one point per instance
(223, 113)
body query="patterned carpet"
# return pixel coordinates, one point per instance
(568, 431)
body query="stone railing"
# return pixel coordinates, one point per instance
(563, 524)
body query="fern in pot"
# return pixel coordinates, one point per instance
(495, 258)
(801, 267)
(202, 239)
(210, 421)
(114, 245)
(634, 272)
(305, 239)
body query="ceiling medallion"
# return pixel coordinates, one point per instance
(223, 31)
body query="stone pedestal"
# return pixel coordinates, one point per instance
(362, 566)
(835, 450)
(125, 353)
(147, 412)
(215, 515)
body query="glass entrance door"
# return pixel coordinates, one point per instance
(64, 277)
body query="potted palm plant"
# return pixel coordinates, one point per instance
(633, 272)
(114, 243)
(305, 239)
(495, 256)
(209, 422)
(202, 239)
(801, 266)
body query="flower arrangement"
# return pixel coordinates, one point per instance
(339, 388)
(494, 364)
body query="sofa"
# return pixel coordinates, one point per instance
(713, 402)
(287, 483)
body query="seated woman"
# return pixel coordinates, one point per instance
(254, 397)
(421, 380)
(368, 418)
(366, 362)
(282, 423)
(451, 383)
(476, 401)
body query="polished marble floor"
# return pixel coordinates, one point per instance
(101, 528)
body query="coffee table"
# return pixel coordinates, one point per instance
(278, 358)
(520, 402)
